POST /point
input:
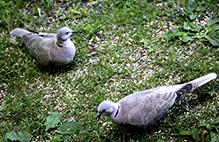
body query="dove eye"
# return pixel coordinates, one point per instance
(66, 33)
(104, 110)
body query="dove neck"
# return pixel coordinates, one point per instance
(62, 43)
(117, 111)
(58, 44)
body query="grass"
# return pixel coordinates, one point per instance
(122, 47)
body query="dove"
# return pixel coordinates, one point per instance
(145, 107)
(48, 48)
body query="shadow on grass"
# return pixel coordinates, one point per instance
(125, 133)
(56, 71)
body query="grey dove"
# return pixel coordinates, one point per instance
(49, 49)
(145, 107)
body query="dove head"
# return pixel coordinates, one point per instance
(107, 108)
(64, 34)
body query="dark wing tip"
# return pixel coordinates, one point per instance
(181, 92)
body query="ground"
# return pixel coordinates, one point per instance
(122, 47)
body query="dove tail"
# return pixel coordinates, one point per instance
(202, 80)
(194, 84)
(18, 32)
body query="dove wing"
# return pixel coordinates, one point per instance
(145, 107)
(40, 47)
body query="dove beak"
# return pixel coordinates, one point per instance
(73, 32)
(98, 116)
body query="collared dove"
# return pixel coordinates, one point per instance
(145, 107)
(48, 49)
